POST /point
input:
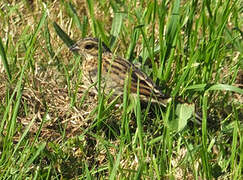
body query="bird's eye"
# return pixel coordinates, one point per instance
(89, 46)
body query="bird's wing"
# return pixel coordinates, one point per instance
(119, 70)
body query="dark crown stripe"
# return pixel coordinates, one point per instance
(105, 48)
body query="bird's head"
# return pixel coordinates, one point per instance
(89, 47)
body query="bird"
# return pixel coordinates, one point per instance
(114, 72)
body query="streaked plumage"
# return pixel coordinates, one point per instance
(114, 72)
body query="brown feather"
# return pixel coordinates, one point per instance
(114, 72)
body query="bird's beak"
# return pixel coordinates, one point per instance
(74, 47)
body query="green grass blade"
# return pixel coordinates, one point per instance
(183, 76)
(139, 122)
(133, 42)
(101, 30)
(225, 87)
(40, 148)
(73, 14)
(84, 28)
(87, 172)
(12, 127)
(124, 124)
(63, 35)
(23, 136)
(234, 162)
(204, 151)
(116, 164)
(100, 93)
(116, 28)
(172, 28)
(48, 41)
(33, 39)
(4, 60)
(90, 4)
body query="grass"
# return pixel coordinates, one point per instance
(53, 128)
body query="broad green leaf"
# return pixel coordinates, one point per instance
(184, 113)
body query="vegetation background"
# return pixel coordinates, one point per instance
(52, 128)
